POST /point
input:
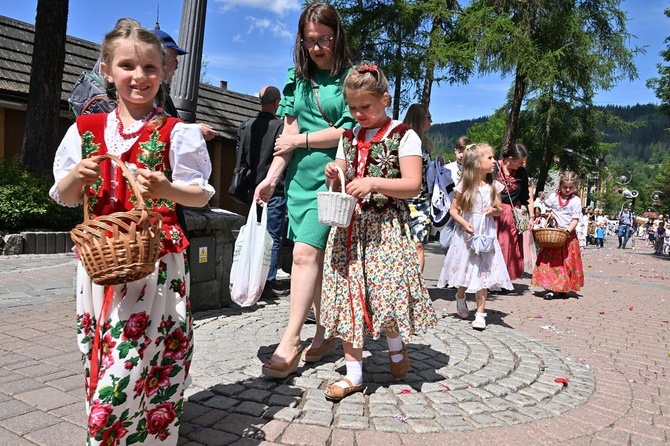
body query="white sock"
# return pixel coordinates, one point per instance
(395, 345)
(354, 373)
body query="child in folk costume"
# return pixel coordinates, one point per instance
(560, 270)
(136, 338)
(372, 281)
(476, 202)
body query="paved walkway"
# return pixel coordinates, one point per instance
(610, 342)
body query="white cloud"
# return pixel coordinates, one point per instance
(238, 38)
(261, 25)
(279, 7)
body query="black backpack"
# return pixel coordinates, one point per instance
(89, 95)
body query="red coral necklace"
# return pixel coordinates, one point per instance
(364, 146)
(129, 135)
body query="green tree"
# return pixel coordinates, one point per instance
(414, 41)
(661, 85)
(46, 74)
(565, 50)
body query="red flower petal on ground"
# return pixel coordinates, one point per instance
(562, 381)
(446, 387)
(405, 392)
(602, 312)
(630, 308)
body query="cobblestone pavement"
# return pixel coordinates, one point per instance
(610, 342)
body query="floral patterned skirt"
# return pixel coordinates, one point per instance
(145, 350)
(371, 271)
(560, 269)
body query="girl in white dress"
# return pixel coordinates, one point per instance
(136, 338)
(474, 262)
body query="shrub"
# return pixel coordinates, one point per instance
(25, 202)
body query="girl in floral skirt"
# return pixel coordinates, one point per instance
(136, 338)
(560, 270)
(372, 279)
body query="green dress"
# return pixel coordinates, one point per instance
(305, 173)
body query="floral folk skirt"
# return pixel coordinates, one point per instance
(372, 280)
(144, 354)
(560, 269)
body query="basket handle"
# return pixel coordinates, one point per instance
(340, 173)
(139, 203)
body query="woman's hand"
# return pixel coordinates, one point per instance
(264, 191)
(490, 211)
(287, 143)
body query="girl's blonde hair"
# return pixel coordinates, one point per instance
(367, 77)
(415, 118)
(471, 178)
(130, 29)
(569, 176)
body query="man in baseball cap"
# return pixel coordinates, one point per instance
(168, 41)
(173, 50)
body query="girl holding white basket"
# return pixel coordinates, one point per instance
(372, 281)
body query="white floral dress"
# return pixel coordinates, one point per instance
(462, 267)
(145, 336)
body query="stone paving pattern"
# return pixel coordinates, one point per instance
(610, 341)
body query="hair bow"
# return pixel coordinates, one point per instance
(470, 146)
(367, 69)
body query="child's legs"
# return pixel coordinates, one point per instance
(460, 292)
(351, 353)
(480, 297)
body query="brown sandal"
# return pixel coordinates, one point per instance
(399, 369)
(280, 370)
(314, 354)
(336, 393)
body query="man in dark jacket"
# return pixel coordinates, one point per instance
(256, 139)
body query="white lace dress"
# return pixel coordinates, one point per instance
(462, 266)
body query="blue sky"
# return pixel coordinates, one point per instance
(248, 43)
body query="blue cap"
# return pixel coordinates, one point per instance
(168, 41)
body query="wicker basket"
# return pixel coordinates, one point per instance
(550, 237)
(335, 208)
(119, 247)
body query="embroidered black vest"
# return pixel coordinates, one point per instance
(382, 162)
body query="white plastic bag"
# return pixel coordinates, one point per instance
(251, 260)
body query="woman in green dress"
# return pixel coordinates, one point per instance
(315, 116)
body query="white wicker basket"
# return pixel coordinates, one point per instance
(335, 208)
